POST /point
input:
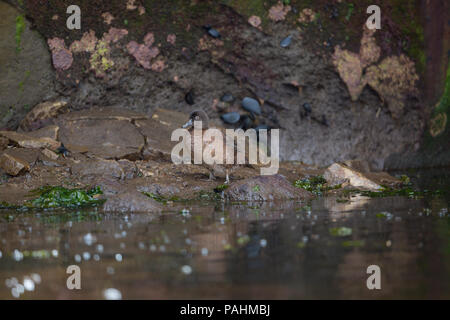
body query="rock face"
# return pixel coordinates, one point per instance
(131, 201)
(26, 75)
(340, 173)
(106, 133)
(265, 188)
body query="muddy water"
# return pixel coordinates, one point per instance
(272, 251)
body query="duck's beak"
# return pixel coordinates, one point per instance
(187, 124)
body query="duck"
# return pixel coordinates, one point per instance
(215, 169)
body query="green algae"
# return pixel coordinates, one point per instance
(340, 232)
(160, 198)
(60, 197)
(315, 185)
(20, 28)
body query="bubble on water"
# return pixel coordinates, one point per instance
(55, 253)
(36, 278)
(152, 247)
(11, 282)
(20, 288)
(77, 258)
(112, 294)
(162, 248)
(15, 293)
(122, 245)
(204, 251)
(222, 220)
(186, 269)
(305, 239)
(110, 270)
(17, 255)
(118, 257)
(28, 284)
(96, 257)
(188, 241)
(141, 245)
(263, 243)
(100, 248)
(89, 239)
(86, 256)
(1, 254)
(388, 243)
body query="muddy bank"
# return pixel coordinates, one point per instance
(126, 58)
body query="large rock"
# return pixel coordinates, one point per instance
(158, 131)
(27, 141)
(15, 161)
(265, 188)
(101, 167)
(340, 173)
(106, 133)
(131, 201)
(26, 74)
(42, 114)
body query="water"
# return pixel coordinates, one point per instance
(268, 251)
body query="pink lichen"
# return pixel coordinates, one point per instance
(206, 43)
(149, 39)
(142, 53)
(254, 21)
(369, 52)
(61, 57)
(306, 16)
(141, 10)
(131, 5)
(159, 65)
(279, 11)
(171, 38)
(87, 43)
(107, 17)
(114, 34)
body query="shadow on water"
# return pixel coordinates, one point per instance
(275, 250)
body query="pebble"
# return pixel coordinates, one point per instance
(251, 105)
(307, 107)
(112, 294)
(286, 42)
(212, 32)
(227, 97)
(231, 117)
(189, 98)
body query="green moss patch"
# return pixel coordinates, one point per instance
(60, 197)
(315, 185)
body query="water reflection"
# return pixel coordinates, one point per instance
(273, 250)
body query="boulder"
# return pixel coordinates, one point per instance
(99, 167)
(45, 132)
(340, 173)
(105, 133)
(26, 73)
(27, 141)
(131, 201)
(265, 188)
(15, 161)
(42, 114)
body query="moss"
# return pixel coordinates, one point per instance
(316, 185)
(340, 232)
(60, 197)
(20, 28)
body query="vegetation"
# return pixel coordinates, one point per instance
(60, 197)
(316, 185)
(20, 28)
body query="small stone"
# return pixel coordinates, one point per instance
(251, 105)
(227, 97)
(50, 154)
(286, 42)
(189, 98)
(13, 165)
(212, 32)
(307, 107)
(231, 117)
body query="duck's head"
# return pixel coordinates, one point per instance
(197, 115)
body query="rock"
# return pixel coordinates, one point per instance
(50, 154)
(231, 117)
(41, 114)
(340, 173)
(189, 98)
(26, 74)
(227, 97)
(131, 201)
(358, 165)
(265, 188)
(45, 132)
(15, 161)
(158, 131)
(251, 105)
(105, 133)
(3, 143)
(97, 166)
(286, 42)
(27, 141)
